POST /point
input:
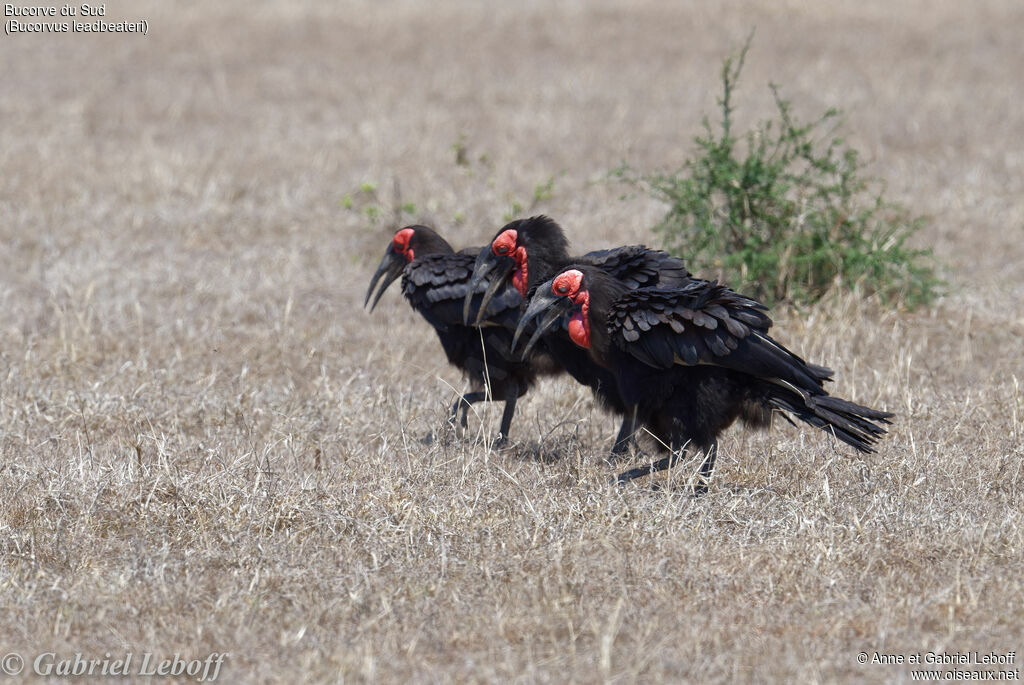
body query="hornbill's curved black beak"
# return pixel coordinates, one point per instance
(544, 300)
(390, 268)
(486, 263)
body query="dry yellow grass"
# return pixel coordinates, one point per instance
(206, 445)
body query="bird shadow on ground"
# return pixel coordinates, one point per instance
(682, 483)
(448, 435)
(537, 452)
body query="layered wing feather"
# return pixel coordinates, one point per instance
(436, 286)
(637, 266)
(706, 323)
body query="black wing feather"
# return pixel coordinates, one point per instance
(436, 286)
(637, 266)
(700, 323)
(706, 323)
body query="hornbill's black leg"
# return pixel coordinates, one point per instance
(707, 468)
(511, 395)
(465, 401)
(677, 453)
(625, 435)
(654, 467)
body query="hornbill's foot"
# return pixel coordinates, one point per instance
(695, 492)
(677, 452)
(463, 404)
(616, 457)
(700, 487)
(654, 467)
(451, 432)
(621, 453)
(455, 421)
(626, 476)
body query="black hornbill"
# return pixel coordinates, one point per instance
(694, 359)
(529, 251)
(436, 281)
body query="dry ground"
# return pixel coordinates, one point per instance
(206, 445)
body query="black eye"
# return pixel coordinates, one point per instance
(562, 289)
(501, 249)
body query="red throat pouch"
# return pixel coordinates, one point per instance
(521, 276)
(579, 324)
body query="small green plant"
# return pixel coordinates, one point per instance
(367, 201)
(543, 192)
(792, 218)
(364, 200)
(515, 209)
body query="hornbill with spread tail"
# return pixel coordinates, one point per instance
(436, 281)
(527, 252)
(694, 359)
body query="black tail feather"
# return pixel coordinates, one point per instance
(852, 423)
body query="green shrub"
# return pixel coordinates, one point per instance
(792, 218)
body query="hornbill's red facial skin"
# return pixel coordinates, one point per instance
(400, 244)
(693, 359)
(505, 245)
(568, 284)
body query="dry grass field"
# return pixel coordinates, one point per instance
(207, 445)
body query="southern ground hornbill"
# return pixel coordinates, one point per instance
(436, 281)
(693, 359)
(527, 252)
